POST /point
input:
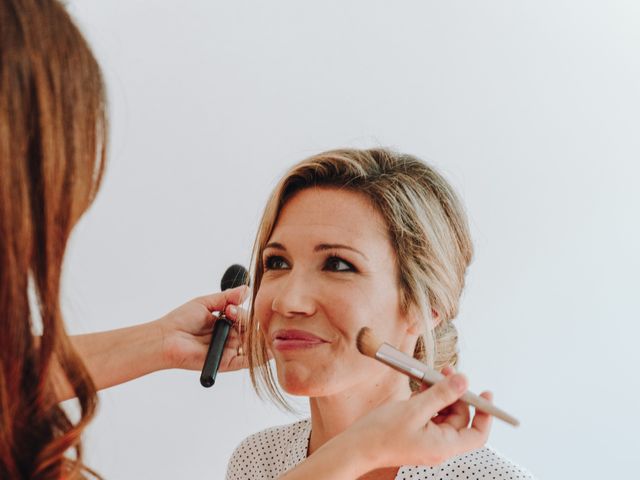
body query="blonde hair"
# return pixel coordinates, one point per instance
(427, 227)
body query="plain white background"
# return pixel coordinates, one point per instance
(530, 109)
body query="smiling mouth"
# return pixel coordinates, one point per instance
(286, 340)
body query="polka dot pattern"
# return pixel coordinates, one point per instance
(268, 454)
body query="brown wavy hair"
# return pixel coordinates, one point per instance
(52, 152)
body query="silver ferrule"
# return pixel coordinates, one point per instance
(408, 365)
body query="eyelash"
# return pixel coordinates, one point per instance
(333, 256)
(267, 263)
(269, 259)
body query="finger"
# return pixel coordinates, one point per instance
(460, 441)
(217, 301)
(481, 420)
(237, 331)
(236, 354)
(238, 362)
(238, 314)
(448, 371)
(440, 395)
(458, 415)
(204, 335)
(233, 342)
(465, 439)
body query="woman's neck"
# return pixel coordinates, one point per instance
(331, 415)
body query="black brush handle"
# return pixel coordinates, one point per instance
(235, 276)
(214, 354)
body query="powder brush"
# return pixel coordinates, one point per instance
(370, 346)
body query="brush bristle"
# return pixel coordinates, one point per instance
(367, 343)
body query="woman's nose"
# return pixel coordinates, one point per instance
(294, 296)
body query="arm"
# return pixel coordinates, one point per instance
(180, 339)
(401, 433)
(117, 356)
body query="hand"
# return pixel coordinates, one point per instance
(410, 433)
(401, 433)
(186, 331)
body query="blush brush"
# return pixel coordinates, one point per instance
(370, 346)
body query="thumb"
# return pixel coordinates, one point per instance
(217, 301)
(442, 394)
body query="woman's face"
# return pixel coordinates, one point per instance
(329, 270)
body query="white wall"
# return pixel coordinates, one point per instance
(530, 108)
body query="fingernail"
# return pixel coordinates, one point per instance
(458, 383)
(233, 309)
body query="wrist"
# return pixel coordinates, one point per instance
(146, 346)
(161, 336)
(355, 450)
(117, 356)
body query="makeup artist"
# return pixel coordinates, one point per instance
(53, 139)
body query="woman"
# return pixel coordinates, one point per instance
(53, 133)
(354, 238)
(52, 156)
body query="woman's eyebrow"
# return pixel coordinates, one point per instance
(333, 246)
(318, 248)
(276, 245)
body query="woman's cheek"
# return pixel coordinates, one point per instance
(262, 310)
(347, 318)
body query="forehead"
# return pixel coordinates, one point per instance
(329, 212)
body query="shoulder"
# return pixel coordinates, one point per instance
(270, 453)
(481, 464)
(487, 463)
(274, 438)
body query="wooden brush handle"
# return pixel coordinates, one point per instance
(416, 369)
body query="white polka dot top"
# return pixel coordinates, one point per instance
(272, 452)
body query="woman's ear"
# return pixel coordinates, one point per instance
(415, 325)
(436, 317)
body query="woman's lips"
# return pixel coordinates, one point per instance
(283, 340)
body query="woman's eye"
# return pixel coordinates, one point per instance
(336, 264)
(275, 263)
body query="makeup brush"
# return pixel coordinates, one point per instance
(235, 276)
(370, 346)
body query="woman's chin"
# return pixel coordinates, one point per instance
(296, 390)
(301, 383)
(296, 386)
